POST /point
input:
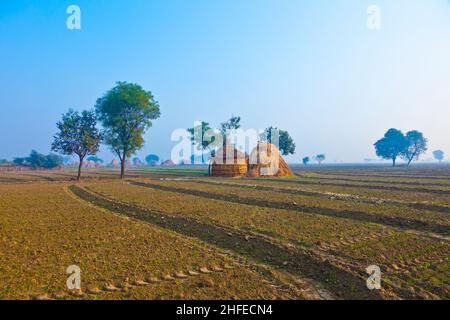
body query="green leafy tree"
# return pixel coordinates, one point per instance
(306, 160)
(126, 112)
(53, 161)
(77, 135)
(137, 162)
(95, 159)
(151, 158)
(438, 155)
(20, 161)
(416, 145)
(202, 136)
(38, 160)
(233, 123)
(285, 142)
(320, 158)
(391, 146)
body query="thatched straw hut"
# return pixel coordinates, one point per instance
(266, 160)
(229, 162)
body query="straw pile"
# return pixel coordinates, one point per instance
(266, 160)
(229, 162)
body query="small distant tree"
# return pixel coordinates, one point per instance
(228, 127)
(126, 112)
(95, 159)
(391, 146)
(306, 160)
(20, 161)
(233, 123)
(416, 145)
(36, 160)
(320, 158)
(285, 142)
(151, 158)
(78, 135)
(201, 137)
(438, 155)
(137, 162)
(53, 161)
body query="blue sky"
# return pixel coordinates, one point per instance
(311, 67)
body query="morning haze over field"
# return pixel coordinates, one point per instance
(247, 154)
(313, 68)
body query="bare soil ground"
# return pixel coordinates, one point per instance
(179, 234)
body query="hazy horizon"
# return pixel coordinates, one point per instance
(312, 68)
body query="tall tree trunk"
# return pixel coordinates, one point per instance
(122, 168)
(79, 168)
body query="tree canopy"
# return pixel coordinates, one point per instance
(77, 135)
(391, 146)
(306, 160)
(320, 158)
(151, 158)
(416, 144)
(285, 142)
(126, 112)
(233, 123)
(438, 155)
(95, 159)
(203, 137)
(395, 144)
(38, 160)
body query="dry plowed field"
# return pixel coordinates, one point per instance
(179, 234)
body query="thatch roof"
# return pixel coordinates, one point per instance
(229, 155)
(229, 162)
(266, 160)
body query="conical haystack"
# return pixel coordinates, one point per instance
(266, 160)
(229, 162)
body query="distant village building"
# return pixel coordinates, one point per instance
(168, 163)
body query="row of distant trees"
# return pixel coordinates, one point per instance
(409, 146)
(94, 161)
(38, 160)
(318, 158)
(394, 145)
